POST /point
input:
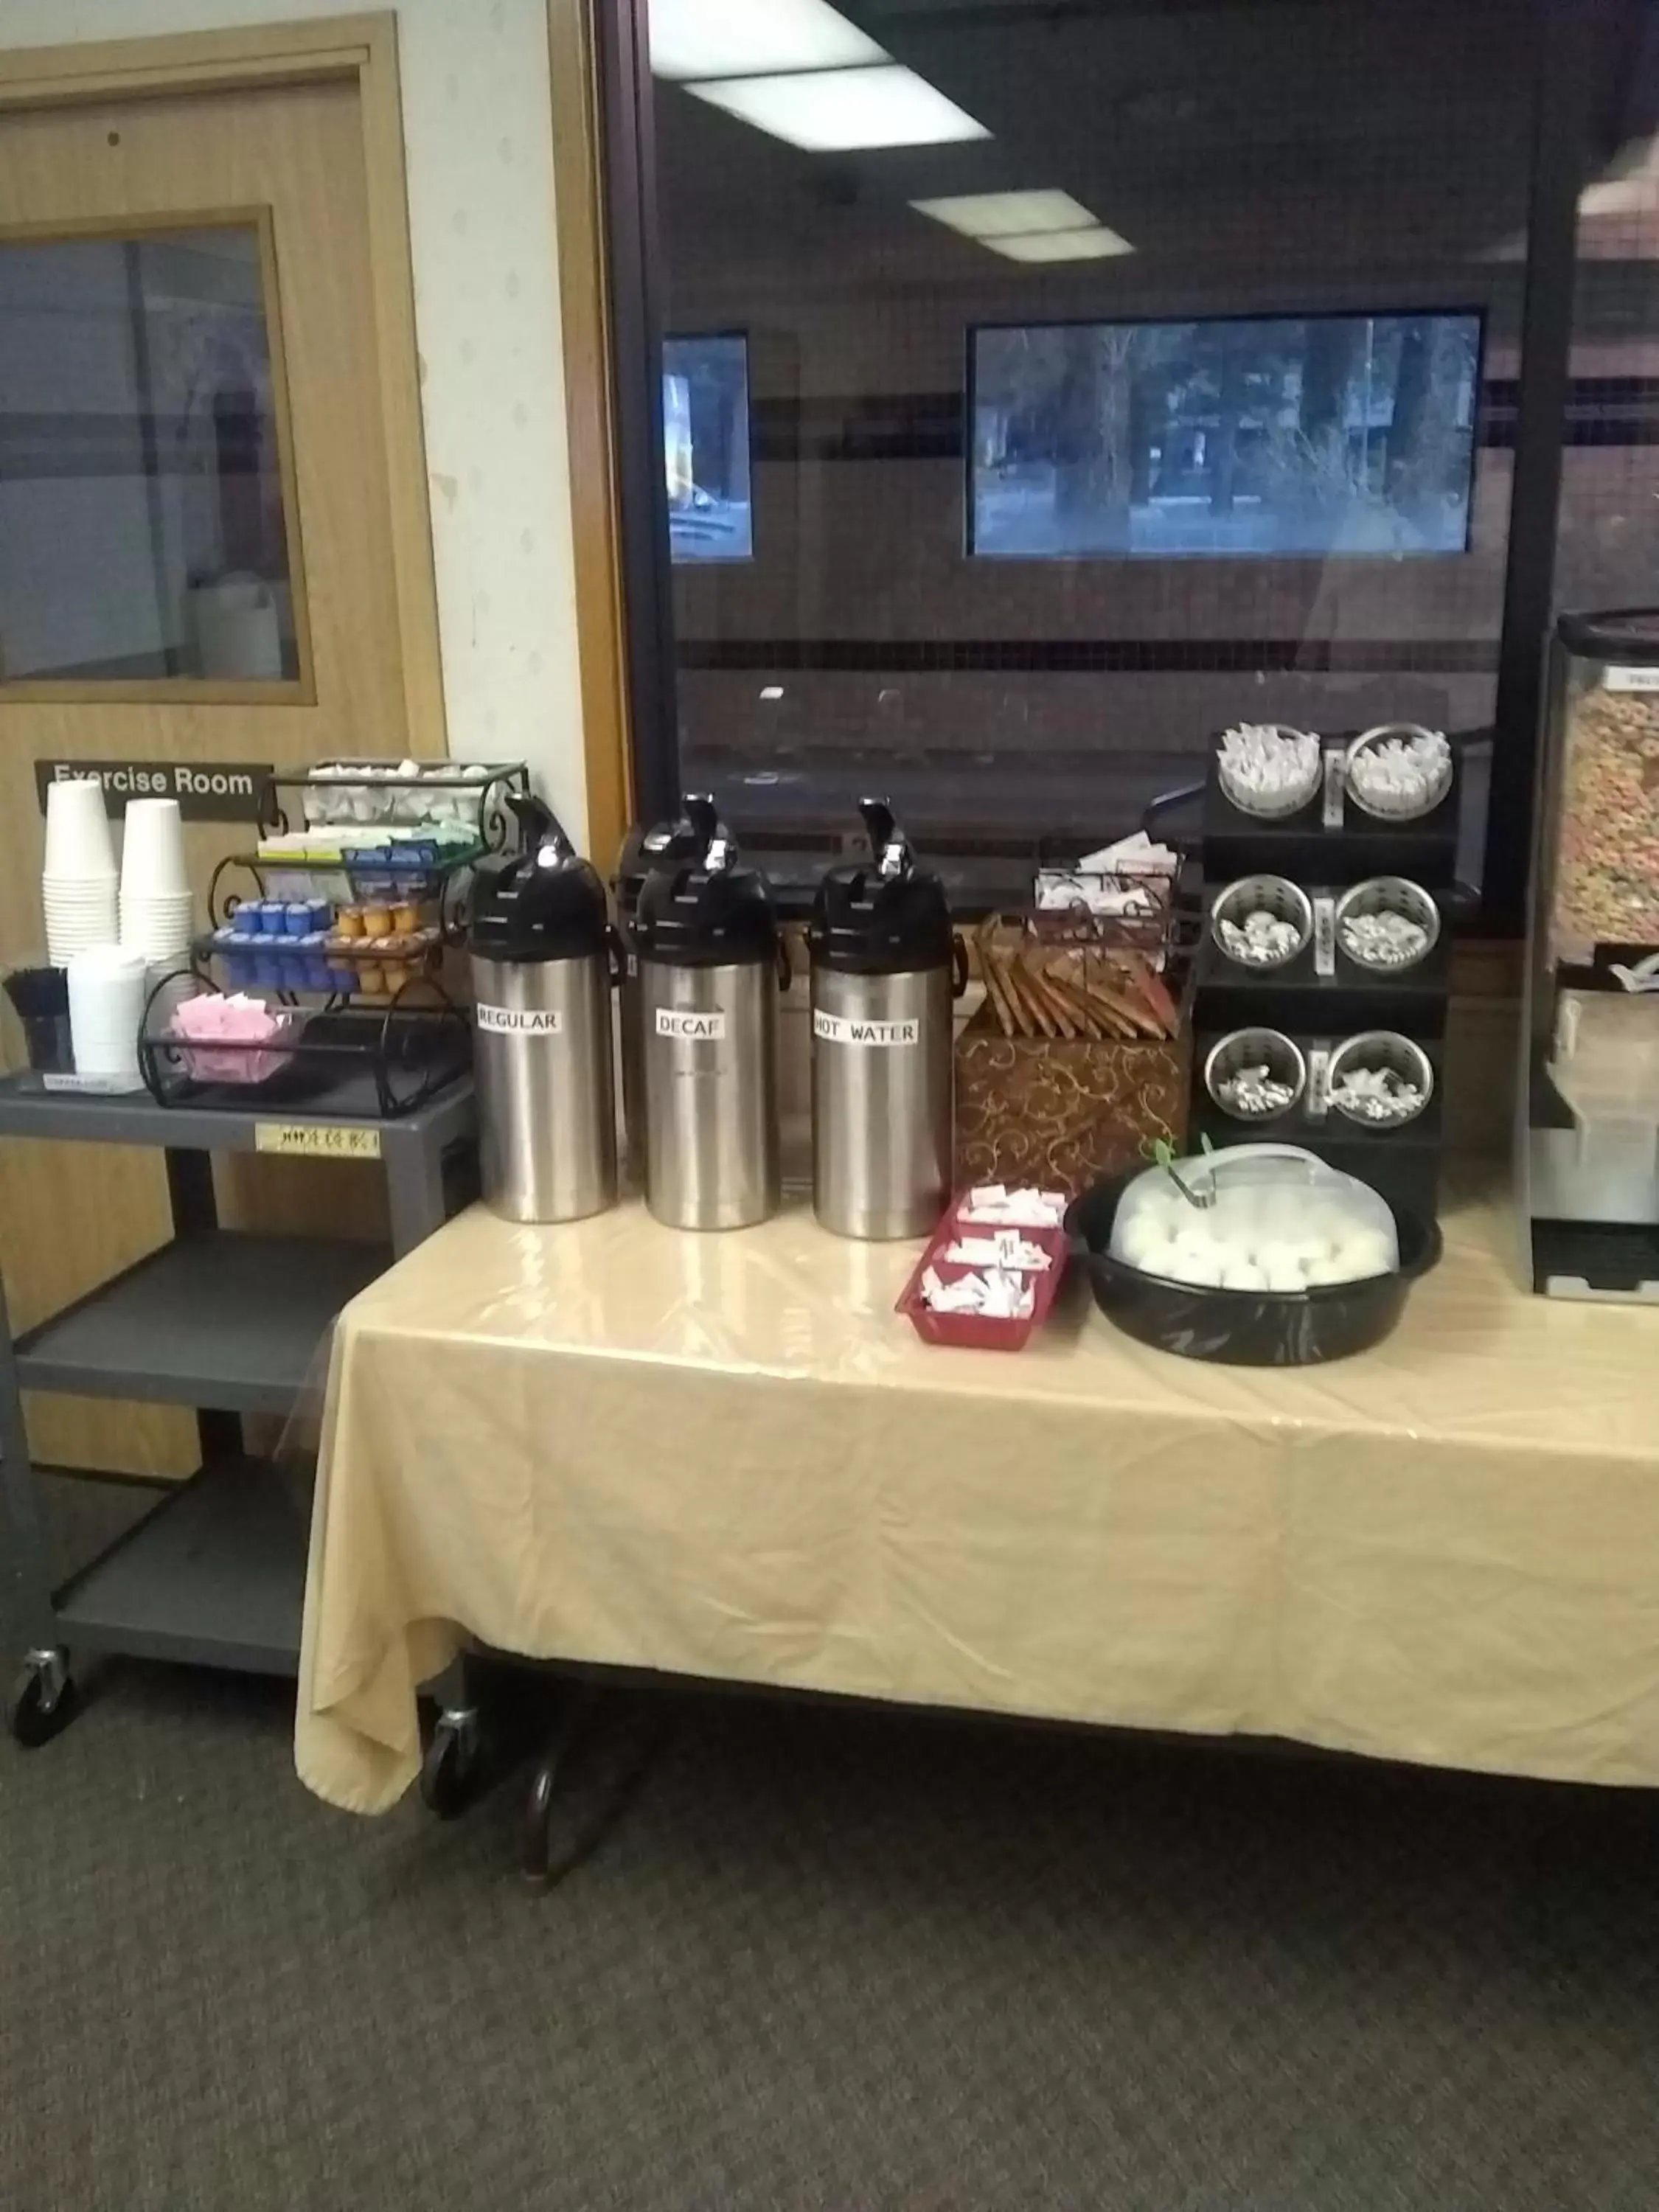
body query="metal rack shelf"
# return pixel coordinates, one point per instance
(223, 1320)
(444, 882)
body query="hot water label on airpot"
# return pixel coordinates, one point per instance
(836, 1029)
(521, 1021)
(692, 1028)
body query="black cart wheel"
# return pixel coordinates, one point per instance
(450, 1771)
(43, 1700)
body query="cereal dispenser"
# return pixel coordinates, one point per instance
(1589, 1153)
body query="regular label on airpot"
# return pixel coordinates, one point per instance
(521, 1021)
(836, 1029)
(692, 1028)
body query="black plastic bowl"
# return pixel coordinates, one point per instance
(1245, 1328)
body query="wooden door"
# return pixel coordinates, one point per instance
(207, 555)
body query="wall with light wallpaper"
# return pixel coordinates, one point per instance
(479, 148)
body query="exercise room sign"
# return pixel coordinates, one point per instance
(207, 790)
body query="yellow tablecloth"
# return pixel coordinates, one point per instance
(725, 1456)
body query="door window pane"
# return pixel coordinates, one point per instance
(143, 534)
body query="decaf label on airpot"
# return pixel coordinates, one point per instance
(836, 1029)
(521, 1021)
(690, 1028)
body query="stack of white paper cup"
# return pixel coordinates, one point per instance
(155, 900)
(107, 987)
(77, 885)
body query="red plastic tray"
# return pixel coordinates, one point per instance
(979, 1332)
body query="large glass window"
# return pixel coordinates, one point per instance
(142, 531)
(1609, 542)
(1327, 435)
(1220, 303)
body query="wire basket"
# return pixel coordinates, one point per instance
(360, 1063)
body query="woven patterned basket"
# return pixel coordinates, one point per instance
(1064, 1112)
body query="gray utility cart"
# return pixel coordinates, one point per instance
(224, 1320)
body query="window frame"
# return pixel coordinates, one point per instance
(1562, 116)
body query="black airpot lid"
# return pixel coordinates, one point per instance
(645, 849)
(1627, 636)
(705, 911)
(883, 916)
(543, 903)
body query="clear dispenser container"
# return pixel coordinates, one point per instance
(1588, 1149)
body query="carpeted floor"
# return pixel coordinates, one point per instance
(830, 1960)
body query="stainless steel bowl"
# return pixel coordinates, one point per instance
(1284, 900)
(1380, 1049)
(1368, 741)
(1280, 1055)
(1389, 894)
(1294, 800)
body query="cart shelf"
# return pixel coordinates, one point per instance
(224, 1320)
(214, 1572)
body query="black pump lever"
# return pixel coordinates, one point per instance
(541, 826)
(888, 845)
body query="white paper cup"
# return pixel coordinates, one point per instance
(156, 944)
(78, 914)
(169, 918)
(62, 946)
(94, 884)
(78, 842)
(99, 898)
(99, 914)
(168, 913)
(72, 910)
(107, 987)
(153, 850)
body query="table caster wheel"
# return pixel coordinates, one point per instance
(43, 1701)
(450, 1771)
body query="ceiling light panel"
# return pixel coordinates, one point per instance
(753, 38)
(840, 111)
(1007, 215)
(1097, 244)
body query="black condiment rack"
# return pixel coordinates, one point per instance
(1325, 848)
